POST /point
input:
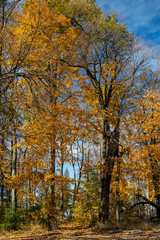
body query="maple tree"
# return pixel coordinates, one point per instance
(106, 58)
(48, 98)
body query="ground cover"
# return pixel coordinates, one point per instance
(74, 232)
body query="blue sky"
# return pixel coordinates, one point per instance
(141, 16)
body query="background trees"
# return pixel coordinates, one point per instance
(145, 150)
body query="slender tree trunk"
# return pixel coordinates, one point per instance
(2, 146)
(80, 166)
(29, 189)
(75, 183)
(118, 194)
(52, 205)
(149, 208)
(62, 187)
(13, 170)
(2, 194)
(88, 164)
(2, 7)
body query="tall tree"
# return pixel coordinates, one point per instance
(109, 63)
(46, 89)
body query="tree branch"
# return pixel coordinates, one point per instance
(148, 201)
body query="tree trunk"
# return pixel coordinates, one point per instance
(52, 205)
(13, 170)
(1, 113)
(156, 182)
(80, 166)
(118, 195)
(104, 208)
(158, 203)
(75, 183)
(109, 154)
(2, 147)
(2, 195)
(155, 173)
(62, 187)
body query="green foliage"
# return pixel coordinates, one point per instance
(118, 31)
(92, 187)
(58, 6)
(67, 189)
(87, 208)
(11, 219)
(79, 11)
(35, 208)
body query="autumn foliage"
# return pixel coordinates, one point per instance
(79, 115)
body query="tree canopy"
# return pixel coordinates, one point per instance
(79, 105)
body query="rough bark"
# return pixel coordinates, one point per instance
(109, 154)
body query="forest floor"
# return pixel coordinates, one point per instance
(73, 232)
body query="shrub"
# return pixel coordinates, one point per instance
(11, 219)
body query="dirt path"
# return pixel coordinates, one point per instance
(74, 233)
